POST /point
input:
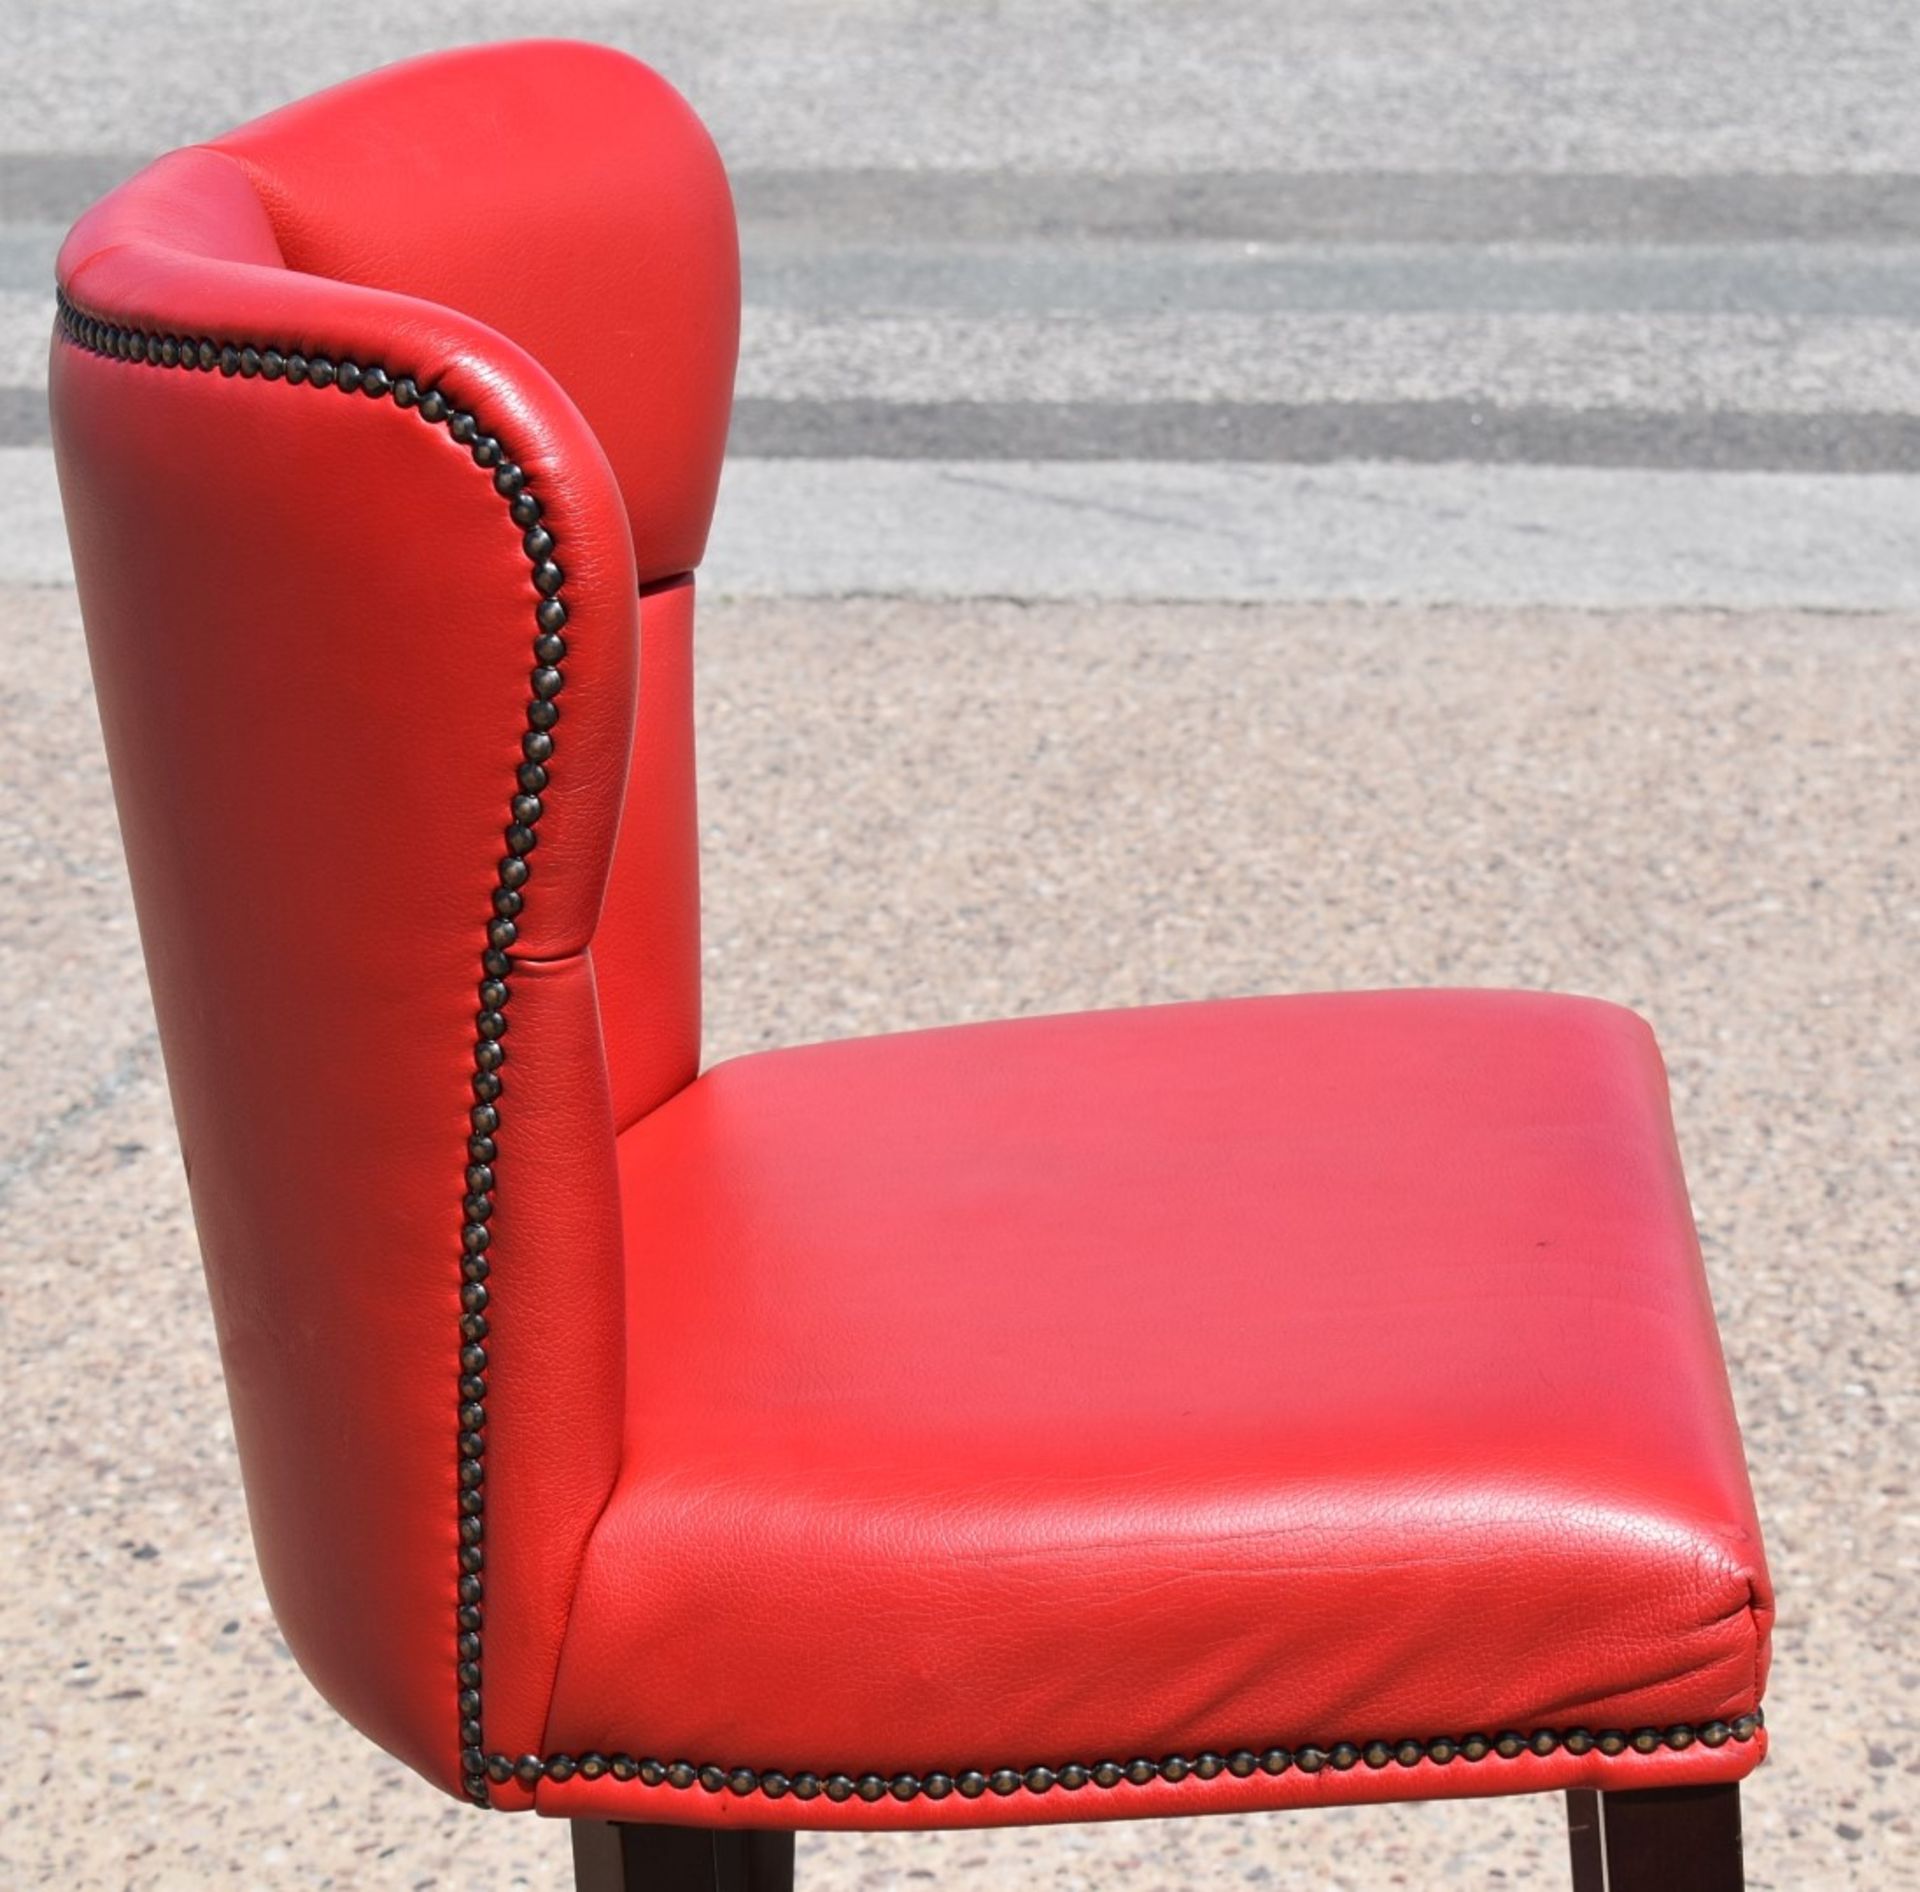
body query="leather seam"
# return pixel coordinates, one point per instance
(95, 335)
(972, 1783)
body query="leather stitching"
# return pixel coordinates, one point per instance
(246, 360)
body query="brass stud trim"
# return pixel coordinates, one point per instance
(115, 341)
(971, 1783)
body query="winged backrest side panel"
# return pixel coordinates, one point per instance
(568, 197)
(313, 619)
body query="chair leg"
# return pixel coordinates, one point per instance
(1660, 1839)
(610, 1856)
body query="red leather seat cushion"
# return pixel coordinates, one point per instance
(1293, 1371)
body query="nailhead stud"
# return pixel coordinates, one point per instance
(742, 1782)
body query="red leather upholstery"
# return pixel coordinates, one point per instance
(567, 197)
(1319, 1384)
(1293, 1371)
(648, 944)
(312, 621)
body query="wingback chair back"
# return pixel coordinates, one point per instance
(388, 429)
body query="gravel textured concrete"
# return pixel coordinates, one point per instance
(1661, 234)
(1355, 531)
(919, 812)
(1683, 86)
(1674, 364)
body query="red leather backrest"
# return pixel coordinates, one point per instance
(361, 592)
(567, 197)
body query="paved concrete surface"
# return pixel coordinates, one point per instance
(1663, 235)
(917, 812)
(1317, 315)
(1355, 530)
(1668, 86)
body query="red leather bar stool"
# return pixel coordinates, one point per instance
(1267, 1404)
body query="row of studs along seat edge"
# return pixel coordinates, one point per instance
(530, 1769)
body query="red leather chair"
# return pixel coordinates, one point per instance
(1265, 1404)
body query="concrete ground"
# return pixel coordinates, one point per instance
(1463, 462)
(1022, 279)
(917, 812)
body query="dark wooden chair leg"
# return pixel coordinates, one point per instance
(609, 1856)
(1584, 1840)
(1661, 1839)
